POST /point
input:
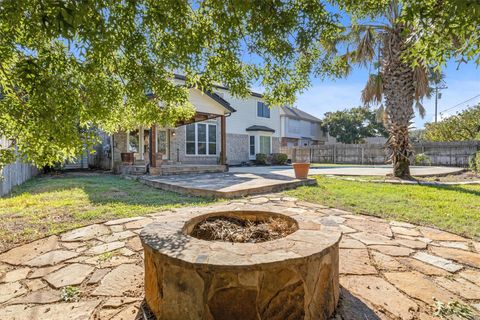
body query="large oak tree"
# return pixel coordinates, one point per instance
(67, 67)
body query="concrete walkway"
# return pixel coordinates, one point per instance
(347, 170)
(388, 270)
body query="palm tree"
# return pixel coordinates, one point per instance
(396, 83)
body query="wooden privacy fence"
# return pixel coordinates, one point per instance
(455, 154)
(14, 174)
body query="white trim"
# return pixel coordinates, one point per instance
(252, 156)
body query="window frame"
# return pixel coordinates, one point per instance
(264, 109)
(260, 144)
(250, 145)
(207, 140)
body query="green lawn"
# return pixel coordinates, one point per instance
(52, 204)
(452, 208)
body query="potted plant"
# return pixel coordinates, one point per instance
(301, 169)
(127, 157)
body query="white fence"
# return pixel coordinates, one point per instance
(455, 154)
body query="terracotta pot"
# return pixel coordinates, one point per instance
(127, 157)
(301, 170)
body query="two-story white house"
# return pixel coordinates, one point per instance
(253, 127)
(225, 130)
(298, 128)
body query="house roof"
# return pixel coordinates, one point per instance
(260, 128)
(224, 103)
(296, 113)
(253, 94)
(220, 100)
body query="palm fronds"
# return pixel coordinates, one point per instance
(373, 91)
(421, 82)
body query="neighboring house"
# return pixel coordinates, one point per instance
(300, 129)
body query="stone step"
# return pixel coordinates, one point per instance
(186, 169)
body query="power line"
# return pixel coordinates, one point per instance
(459, 104)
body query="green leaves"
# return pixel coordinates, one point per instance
(70, 67)
(463, 126)
(445, 30)
(353, 125)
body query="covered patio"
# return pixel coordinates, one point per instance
(196, 145)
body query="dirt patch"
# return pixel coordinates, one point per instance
(461, 177)
(242, 230)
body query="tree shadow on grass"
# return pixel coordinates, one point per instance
(107, 190)
(456, 188)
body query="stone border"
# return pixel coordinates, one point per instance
(166, 237)
(296, 276)
(209, 193)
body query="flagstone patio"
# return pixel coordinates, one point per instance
(388, 270)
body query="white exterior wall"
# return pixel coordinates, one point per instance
(246, 114)
(303, 129)
(204, 103)
(244, 117)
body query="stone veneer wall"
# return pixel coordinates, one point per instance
(295, 277)
(237, 148)
(120, 145)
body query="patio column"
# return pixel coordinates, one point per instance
(223, 145)
(153, 140)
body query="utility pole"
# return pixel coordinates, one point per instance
(438, 95)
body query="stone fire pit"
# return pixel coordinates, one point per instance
(293, 277)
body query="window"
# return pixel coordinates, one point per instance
(252, 145)
(134, 141)
(201, 139)
(190, 139)
(212, 139)
(265, 144)
(162, 142)
(313, 129)
(263, 110)
(293, 126)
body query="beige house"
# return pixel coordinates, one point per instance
(196, 145)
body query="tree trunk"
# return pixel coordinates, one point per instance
(399, 91)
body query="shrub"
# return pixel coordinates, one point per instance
(261, 158)
(474, 162)
(279, 158)
(422, 159)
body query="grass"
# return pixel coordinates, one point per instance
(452, 208)
(52, 204)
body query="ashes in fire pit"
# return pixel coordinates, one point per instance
(243, 230)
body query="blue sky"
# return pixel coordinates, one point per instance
(331, 95)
